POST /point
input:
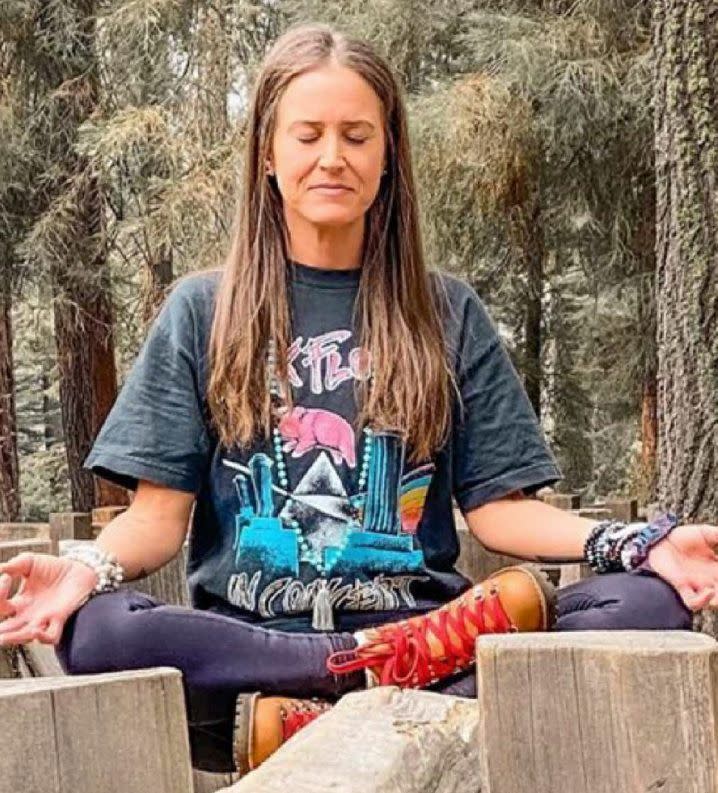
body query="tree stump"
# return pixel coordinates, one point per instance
(379, 741)
(598, 712)
(124, 732)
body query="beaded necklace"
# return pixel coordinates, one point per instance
(307, 554)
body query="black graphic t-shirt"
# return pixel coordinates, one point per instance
(321, 510)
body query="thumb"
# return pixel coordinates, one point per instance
(696, 600)
(710, 535)
(51, 634)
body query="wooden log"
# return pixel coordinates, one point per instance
(39, 660)
(379, 741)
(24, 531)
(123, 732)
(72, 525)
(563, 500)
(598, 712)
(594, 512)
(625, 509)
(101, 516)
(571, 573)
(10, 548)
(205, 782)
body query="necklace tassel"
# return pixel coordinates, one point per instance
(322, 616)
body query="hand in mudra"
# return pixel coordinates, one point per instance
(686, 558)
(51, 589)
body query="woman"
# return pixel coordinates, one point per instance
(322, 562)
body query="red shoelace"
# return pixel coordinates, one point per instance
(299, 715)
(401, 655)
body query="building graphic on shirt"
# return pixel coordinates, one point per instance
(381, 542)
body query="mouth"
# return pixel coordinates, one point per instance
(331, 190)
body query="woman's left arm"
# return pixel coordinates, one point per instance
(529, 529)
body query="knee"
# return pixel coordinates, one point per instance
(649, 602)
(94, 635)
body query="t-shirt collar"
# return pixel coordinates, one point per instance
(321, 276)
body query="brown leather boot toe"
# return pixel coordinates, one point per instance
(263, 724)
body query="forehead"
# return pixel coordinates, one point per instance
(330, 95)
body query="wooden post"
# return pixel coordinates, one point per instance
(625, 509)
(598, 712)
(122, 731)
(72, 525)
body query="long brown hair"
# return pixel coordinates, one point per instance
(399, 315)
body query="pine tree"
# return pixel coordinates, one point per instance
(685, 40)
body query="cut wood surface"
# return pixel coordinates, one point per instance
(10, 548)
(598, 712)
(384, 740)
(72, 525)
(122, 732)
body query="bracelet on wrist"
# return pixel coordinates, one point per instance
(110, 572)
(614, 546)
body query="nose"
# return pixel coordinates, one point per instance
(332, 156)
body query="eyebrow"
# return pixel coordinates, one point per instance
(357, 123)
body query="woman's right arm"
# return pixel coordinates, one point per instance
(51, 588)
(150, 532)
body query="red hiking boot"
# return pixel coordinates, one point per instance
(263, 724)
(422, 650)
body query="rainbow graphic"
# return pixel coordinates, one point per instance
(412, 497)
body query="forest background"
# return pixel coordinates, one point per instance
(566, 153)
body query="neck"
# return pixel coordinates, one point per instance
(325, 247)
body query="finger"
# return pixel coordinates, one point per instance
(12, 623)
(20, 636)
(51, 634)
(710, 534)
(6, 607)
(696, 600)
(18, 565)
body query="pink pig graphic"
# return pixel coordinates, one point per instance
(306, 428)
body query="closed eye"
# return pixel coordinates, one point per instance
(351, 140)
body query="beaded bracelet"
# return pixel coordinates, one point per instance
(613, 546)
(110, 572)
(635, 552)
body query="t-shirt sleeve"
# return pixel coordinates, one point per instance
(498, 444)
(156, 429)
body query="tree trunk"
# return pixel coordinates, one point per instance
(9, 469)
(643, 246)
(82, 309)
(686, 126)
(534, 251)
(528, 237)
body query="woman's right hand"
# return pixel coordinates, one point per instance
(50, 590)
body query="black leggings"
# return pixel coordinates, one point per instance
(220, 656)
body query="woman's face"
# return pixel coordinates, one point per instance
(329, 131)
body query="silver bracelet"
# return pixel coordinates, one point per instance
(110, 572)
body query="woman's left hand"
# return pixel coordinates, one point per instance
(686, 559)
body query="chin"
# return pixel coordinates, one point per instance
(330, 218)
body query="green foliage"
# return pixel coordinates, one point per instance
(527, 118)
